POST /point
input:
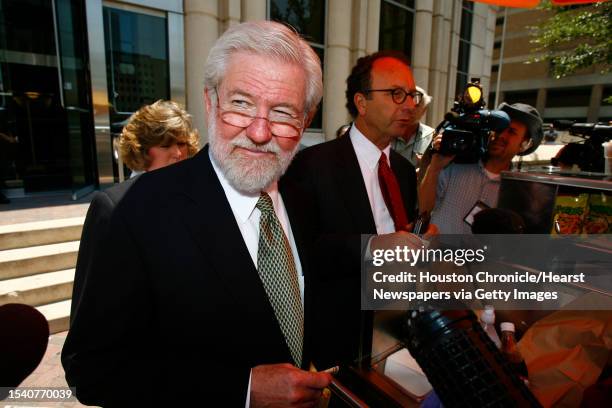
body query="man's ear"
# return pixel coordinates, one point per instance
(526, 144)
(360, 102)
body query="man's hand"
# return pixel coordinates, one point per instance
(438, 160)
(428, 183)
(399, 238)
(432, 231)
(283, 385)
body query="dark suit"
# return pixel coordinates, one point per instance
(95, 233)
(331, 176)
(176, 312)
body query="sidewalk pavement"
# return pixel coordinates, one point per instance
(43, 208)
(48, 374)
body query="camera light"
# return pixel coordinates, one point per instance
(474, 93)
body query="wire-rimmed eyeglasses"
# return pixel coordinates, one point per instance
(242, 113)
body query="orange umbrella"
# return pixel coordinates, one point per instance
(534, 3)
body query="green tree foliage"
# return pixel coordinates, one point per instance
(575, 38)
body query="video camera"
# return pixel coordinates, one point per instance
(468, 124)
(589, 154)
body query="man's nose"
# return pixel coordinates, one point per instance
(408, 103)
(407, 110)
(259, 131)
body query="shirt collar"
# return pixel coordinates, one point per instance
(242, 204)
(487, 173)
(365, 149)
(136, 173)
(417, 135)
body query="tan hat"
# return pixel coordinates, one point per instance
(528, 115)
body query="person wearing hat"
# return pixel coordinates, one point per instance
(454, 192)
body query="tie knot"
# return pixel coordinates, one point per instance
(264, 204)
(383, 159)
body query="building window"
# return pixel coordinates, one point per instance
(499, 21)
(308, 18)
(491, 100)
(528, 97)
(568, 97)
(497, 45)
(45, 110)
(397, 26)
(607, 93)
(137, 63)
(465, 38)
(495, 68)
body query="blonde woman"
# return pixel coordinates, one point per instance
(155, 136)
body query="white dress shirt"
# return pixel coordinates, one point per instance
(368, 155)
(247, 217)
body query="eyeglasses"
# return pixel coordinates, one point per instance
(242, 113)
(399, 95)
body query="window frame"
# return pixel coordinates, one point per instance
(467, 7)
(318, 46)
(408, 9)
(146, 12)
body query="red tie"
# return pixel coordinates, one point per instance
(391, 193)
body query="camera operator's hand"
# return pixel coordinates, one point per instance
(429, 181)
(438, 160)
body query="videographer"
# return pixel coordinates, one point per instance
(456, 192)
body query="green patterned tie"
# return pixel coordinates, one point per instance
(278, 273)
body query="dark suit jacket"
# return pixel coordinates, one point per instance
(176, 312)
(330, 174)
(95, 233)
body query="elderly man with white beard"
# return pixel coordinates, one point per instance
(207, 259)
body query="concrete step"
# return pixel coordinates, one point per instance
(38, 289)
(40, 233)
(20, 262)
(58, 315)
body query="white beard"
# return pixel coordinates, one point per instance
(245, 174)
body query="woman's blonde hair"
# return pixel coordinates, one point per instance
(161, 123)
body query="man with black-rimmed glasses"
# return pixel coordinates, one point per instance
(360, 186)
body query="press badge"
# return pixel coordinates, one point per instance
(478, 207)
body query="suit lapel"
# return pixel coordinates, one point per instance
(297, 207)
(350, 182)
(211, 221)
(406, 180)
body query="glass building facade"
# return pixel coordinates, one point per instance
(45, 105)
(62, 103)
(73, 71)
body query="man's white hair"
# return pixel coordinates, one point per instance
(270, 39)
(426, 98)
(422, 107)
